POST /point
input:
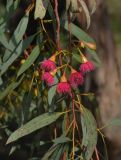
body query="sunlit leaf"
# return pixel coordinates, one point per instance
(74, 6)
(40, 10)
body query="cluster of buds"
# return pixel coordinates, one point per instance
(65, 85)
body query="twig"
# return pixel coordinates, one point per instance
(58, 25)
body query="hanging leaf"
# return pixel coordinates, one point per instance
(94, 56)
(16, 53)
(40, 10)
(77, 57)
(9, 4)
(3, 40)
(52, 15)
(68, 2)
(33, 125)
(10, 88)
(86, 11)
(30, 60)
(74, 8)
(79, 33)
(89, 129)
(51, 94)
(92, 6)
(17, 37)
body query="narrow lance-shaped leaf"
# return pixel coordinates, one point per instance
(51, 94)
(52, 15)
(79, 33)
(17, 36)
(86, 11)
(68, 2)
(89, 129)
(3, 40)
(30, 60)
(92, 5)
(33, 125)
(9, 4)
(16, 53)
(10, 88)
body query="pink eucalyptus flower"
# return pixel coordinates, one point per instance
(76, 79)
(87, 67)
(48, 65)
(48, 78)
(64, 88)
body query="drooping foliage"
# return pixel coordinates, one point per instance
(43, 65)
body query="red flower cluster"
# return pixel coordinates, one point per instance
(76, 78)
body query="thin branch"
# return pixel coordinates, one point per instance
(58, 25)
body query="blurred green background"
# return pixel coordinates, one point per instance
(114, 9)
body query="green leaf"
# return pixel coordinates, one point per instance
(52, 15)
(59, 153)
(10, 88)
(94, 56)
(9, 4)
(61, 139)
(79, 33)
(3, 40)
(14, 56)
(30, 60)
(16, 53)
(89, 129)
(51, 94)
(1, 81)
(13, 149)
(77, 57)
(33, 125)
(17, 36)
(40, 10)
